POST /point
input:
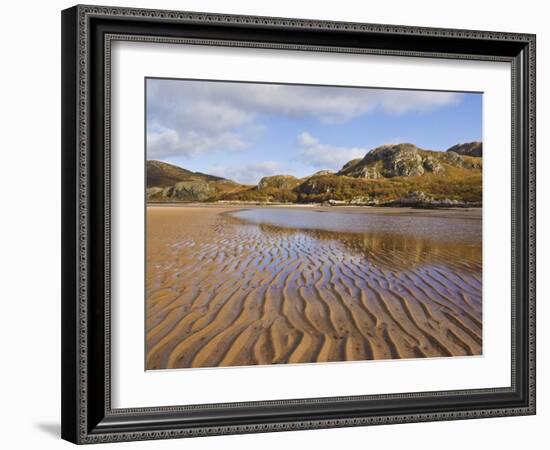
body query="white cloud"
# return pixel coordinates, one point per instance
(182, 122)
(248, 174)
(327, 104)
(402, 101)
(165, 142)
(326, 156)
(214, 116)
(187, 118)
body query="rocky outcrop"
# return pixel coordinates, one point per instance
(186, 191)
(433, 165)
(402, 160)
(392, 175)
(286, 182)
(456, 160)
(468, 149)
(350, 164)
(315, 186)
(191, 191)
(170, 183)
(323, 172)
(156, 194)
(363, 171)
(388, 161)
(405, 160)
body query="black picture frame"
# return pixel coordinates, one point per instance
(87, 32)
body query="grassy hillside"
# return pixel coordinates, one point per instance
(161, 174)
(388, 175)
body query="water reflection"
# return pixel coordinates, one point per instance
(445, 225)
(409, 249)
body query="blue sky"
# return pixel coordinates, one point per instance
(244, 131)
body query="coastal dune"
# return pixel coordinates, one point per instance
(226, 291)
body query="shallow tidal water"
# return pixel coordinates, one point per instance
(451, 226)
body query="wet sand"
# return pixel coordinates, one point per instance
(231, 286)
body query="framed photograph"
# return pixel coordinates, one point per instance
(279, 224)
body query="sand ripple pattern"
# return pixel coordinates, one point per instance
(223, 292)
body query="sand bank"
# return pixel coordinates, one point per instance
(224, 291)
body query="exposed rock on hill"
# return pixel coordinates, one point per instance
(464, 161)
(184, 191)
(350, 164)
(323, 172)
(393, 175)
(468, 149)
(191, 191)
(169, 183)
(278, 182)
(402, 160)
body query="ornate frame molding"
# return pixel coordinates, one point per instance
(80, 423)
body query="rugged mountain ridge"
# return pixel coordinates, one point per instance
(398, 175)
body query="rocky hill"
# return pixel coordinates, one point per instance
(469, 149)
(161, 174)
(279, 182)
(404, 160)
(166, 183)
(396, 175)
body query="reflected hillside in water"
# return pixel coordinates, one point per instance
(458, 248)
(443, 225)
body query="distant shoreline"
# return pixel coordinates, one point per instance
(421, 206)
(393, 176)
(451, 213)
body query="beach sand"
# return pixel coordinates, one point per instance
(224, 291)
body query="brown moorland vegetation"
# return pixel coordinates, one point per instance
(388, 175)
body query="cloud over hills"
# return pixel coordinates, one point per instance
(191, 118)
(325, 156)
